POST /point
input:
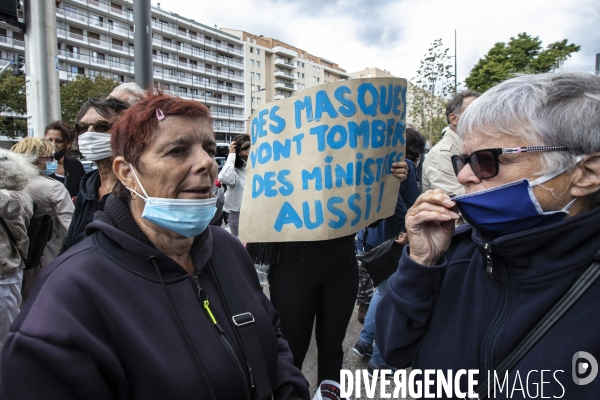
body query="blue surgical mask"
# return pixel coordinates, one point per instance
(50, 167)
(187, 217)
(509, 208)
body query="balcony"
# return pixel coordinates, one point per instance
(284, 74)
(285, 86)
(279, 97)
(282, 51)
(280, 62)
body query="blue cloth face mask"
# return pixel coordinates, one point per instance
(509, 208)
(51, 167)
(187, 217)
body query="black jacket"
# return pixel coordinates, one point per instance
(73, 173)
(452, 316)
(98, 324)
(86, 205)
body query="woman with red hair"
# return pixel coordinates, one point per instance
(146, 306)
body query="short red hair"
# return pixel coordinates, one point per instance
(133, 132)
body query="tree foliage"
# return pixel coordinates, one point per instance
(522, 54)
(73, 95)
(13, 103)
(433, 84)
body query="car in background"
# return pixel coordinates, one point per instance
(88, 166)
(220, 162)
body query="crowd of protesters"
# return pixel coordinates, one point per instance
(121, 283)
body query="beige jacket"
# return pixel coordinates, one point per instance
(52, 198)
(437, 168)
(16, 208)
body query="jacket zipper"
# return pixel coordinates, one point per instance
(489, 347)
(221, 332)
(488, 257)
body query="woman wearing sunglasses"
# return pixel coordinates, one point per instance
(465, 298)
(93, 138)
(69, 171)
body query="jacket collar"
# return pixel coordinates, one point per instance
(132, 245)
(556, 248)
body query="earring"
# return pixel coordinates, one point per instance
(133, 194)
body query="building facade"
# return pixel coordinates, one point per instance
(372, 73)
(276, 70)
(190, 60)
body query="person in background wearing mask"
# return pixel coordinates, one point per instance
(69, 171)
(16, 210)
(134, 311)
(464, 298)
(233, 175)
(50, 197)
(93, 138)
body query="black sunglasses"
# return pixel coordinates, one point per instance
(100, 126)
(484, 163)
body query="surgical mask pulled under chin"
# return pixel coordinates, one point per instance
(51, 167)
(187, 217)
(95, 146)
(509, 208)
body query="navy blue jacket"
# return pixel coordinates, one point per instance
(452, 316)
(98, 324)
(390, 226)
(86, 205)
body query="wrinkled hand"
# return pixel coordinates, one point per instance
(232, 147)
(400, 170)
(429, 226)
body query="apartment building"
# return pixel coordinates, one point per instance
(372, 73)
(190, 60)
(276, 70)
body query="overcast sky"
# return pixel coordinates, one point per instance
(395, 34)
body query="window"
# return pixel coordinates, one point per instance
(258, 100)
(297, 63)
(257, 51)
(253, 88)
(254, 99)
(168, 71)
(76, 70)
(251, 75)
(258, 63)
(326, 73)
(208, 38)
(218, 124)
(208, 94)
(302, 75)
(183, 90)
(314, 78)
(258, 76)
(70, 9)
(232, 125)
(194, 92)
(231, 98)
(119, 78)
(251, 49)
(164, 56)
(258, 87)
(252, 63)
(318, 79)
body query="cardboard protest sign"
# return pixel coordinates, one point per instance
(319, 165)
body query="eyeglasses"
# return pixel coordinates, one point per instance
(100, 126)
(484, 163)
(49, 158)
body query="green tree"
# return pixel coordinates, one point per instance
(522, 54)
(73, 95)
(12, 101)
(431, 87)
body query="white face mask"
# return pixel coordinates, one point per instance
(95, 146)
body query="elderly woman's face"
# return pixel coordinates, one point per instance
(179, 163)
(552, 195)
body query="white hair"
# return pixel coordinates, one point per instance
(132, 88)
(16, 170)
(551, 109)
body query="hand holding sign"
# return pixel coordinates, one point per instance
(321, 163)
